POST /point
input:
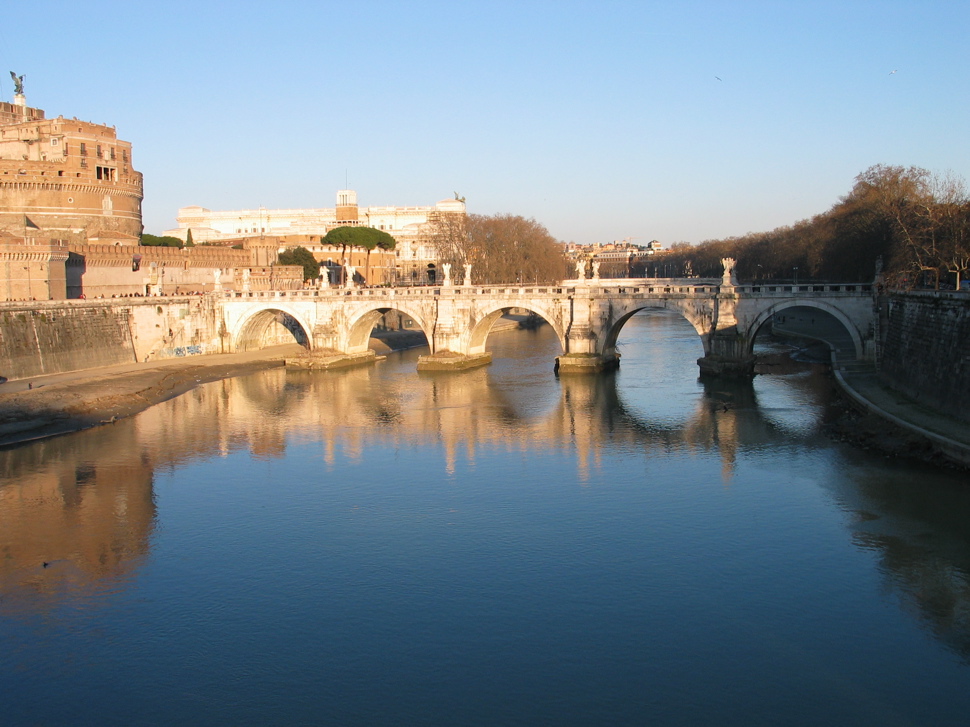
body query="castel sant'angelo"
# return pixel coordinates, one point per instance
(71, 224)
(71, 220)
(71, 178)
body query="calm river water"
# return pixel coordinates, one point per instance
(498, 547)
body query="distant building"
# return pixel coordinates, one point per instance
(409, 226)
(618, 259)
(66, 179)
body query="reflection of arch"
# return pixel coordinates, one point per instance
(838, 315)
(698, 323)
(360, 327)
(483, 326)
(258, 329)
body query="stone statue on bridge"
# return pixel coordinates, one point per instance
(351, 272)
(217, 280)
(447, 281)
(729, 278)
(324, 277)
(596, 270)
(581, 270)
(468, 275)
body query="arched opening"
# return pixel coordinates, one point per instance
(271, 327)
(658, 379)
(814, 330)
(509, 318)
(652, 316)
(387, 329)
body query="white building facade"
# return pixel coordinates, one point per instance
(409, 226)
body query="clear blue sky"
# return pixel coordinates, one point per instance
(603, 120)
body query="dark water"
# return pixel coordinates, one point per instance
(497, 547)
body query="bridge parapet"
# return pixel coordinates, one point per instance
(828, 289)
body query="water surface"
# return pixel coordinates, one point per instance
(500, 546)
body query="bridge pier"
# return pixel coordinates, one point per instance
(451, 361)
(586, 363)
(326, 360)
(727, 351)
(727, 356)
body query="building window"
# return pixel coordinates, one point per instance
(84, 149)
(55, 141)
(107, 174)
(99, 151)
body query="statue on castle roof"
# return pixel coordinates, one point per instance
(18, 83)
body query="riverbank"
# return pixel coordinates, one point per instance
(873, 416)
(876, 417)
(46, 406)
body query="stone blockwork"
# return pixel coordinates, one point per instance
(53, 337)
(926, 349)
(36, 342)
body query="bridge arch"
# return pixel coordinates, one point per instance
(486, 318)
(846, 323)
(362, 321)
(700, 319)
(264, 326)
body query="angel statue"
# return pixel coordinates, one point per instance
(18, 83)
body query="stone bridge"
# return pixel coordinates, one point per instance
(587, 316)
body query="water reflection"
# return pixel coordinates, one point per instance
(76, 517)
(915, 521)
(84, 504)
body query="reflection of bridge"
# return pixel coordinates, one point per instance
(587, 316)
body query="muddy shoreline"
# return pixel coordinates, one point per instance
(95, 399)
(71, 402)
(873, 433)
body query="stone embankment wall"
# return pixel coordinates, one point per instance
(39, 338)
(926, 349)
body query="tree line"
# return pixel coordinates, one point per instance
(913, 223)
(501, 248)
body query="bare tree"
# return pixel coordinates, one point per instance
(449, 236)
(929, 212)
(500, 248)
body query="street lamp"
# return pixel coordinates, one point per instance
(795, 274)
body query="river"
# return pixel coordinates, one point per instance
(496, 547)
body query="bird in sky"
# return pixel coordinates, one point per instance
(892, 72)
(720, 79)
